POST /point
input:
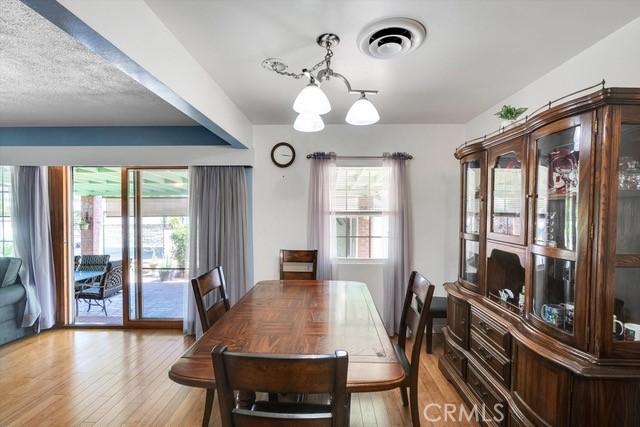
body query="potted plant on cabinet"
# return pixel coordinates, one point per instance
(509, 114)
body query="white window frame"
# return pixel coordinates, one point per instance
(353, 213)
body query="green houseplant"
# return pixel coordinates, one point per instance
(509, 114)
(179, 234)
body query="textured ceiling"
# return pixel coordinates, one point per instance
(47, 78)
(476, 52)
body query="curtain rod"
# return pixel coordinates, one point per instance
(332, 155)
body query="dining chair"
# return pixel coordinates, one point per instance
(414, 318)
(295, 264)
(437, 310)
(282, 374)
(209, 291)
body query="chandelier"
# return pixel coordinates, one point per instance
(311, 103)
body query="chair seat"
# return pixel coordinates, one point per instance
(290, 407)
(402, 357)
(438, 307)
(94, 292)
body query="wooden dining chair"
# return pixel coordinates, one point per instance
(285, 374)
(295, 264)
(414, 317)
(210, 307)
(437, 310)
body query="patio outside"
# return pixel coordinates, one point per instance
(163, 241)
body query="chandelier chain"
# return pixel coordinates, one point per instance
(326, 60)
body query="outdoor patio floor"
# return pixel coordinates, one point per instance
(160, 300)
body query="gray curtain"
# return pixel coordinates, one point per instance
(217, 231)
(397, 268)
(32, 240)
(321, 223)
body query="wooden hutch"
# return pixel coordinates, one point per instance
(545, 316)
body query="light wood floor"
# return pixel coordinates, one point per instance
(114, 378)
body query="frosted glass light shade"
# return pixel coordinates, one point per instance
(308, 123)
(311, 100)
(362, 113)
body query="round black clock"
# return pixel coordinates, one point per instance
(283, 154)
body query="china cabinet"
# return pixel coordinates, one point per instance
(543, 323)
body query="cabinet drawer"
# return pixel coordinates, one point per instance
(494, 404)
(491, 331)
(455, 358)
(490, 359)
(518, 421)
(458, 321)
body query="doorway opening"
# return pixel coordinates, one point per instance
(130, 239)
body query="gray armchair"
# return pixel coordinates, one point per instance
(12, 300)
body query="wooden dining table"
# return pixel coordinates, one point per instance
(301, 317)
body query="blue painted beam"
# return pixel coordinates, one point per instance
(74, 26)
(107, 136)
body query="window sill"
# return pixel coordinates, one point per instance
(375, 261)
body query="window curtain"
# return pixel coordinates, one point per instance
(321, 223)
(397, 267)
(32, 242)
(217, 232)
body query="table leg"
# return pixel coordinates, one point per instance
(208, 406)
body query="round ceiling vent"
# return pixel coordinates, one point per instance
(391, 37)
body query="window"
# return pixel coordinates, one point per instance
(360, 209)
(6, 232)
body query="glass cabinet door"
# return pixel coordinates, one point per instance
(557, 172)
(560, 184)
(472, 198)
(507, 193)
(472, 221)
(626, 278)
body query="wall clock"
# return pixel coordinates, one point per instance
(283, 154)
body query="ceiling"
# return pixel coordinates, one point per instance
(47, 78)
(476, 53)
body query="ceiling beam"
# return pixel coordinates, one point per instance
(145, 50)
(107, 136)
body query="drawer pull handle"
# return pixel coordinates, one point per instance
(480, 389)
(485, 327)
(484, 353)
(452, 356)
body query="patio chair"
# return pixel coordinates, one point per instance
(110, 285)
(93, 262)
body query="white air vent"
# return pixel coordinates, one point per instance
(391, 37)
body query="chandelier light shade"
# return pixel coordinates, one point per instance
(312, 100)
(362, 113)
(306, 122)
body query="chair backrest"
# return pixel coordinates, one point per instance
(204, 288)
(93, 262)
(415, 314)
(112, 279)
(281, 373)
(295, 264)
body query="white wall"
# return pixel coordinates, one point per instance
(280, 195)
(616, 58)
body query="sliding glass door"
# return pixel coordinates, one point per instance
(96, 288)
(155, 266)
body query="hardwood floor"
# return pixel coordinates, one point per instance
(115, 378)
